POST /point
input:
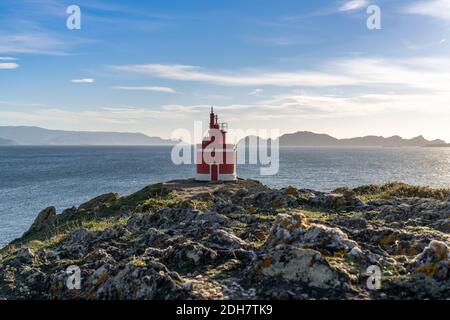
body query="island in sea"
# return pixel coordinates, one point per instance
(238, 240)
(7, 142)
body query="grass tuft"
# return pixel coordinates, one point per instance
(397, 190)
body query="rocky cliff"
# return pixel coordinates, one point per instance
(239, 240)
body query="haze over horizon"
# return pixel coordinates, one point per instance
(156, 67)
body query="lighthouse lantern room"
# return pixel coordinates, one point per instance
(216, 159)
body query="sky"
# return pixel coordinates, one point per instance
(287, 65)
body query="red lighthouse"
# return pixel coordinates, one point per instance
(216, 160)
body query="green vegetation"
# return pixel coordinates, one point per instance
(166, 201)
(138, 263)
(315, 213)
(95, 218)
(200, 204)
(55, 235)
(396, 190)
(153, 191)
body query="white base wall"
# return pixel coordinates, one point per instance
(203, 177)
(222, 177)
(227, 177)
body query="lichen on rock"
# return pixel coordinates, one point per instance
(299, 266)
(239, 240)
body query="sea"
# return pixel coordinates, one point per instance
(33, 178)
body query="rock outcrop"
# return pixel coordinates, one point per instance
(44, 218)
(98, 201)
(237, 240)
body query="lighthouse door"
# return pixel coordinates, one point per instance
(214, 172)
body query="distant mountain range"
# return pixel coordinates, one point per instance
(310, 139)
(7, 142)
(39, 136)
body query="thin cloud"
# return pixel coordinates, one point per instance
(428, 73)
(433, 8)
(256, 92)
(105, 118)
(354, 5)
(194, 73)
(32, 43)
(9, 65)
(29, 37)
(86, 80)
(7, 59)
(20, 104)
(155, 89)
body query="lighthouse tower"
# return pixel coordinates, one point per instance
(216, 159)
